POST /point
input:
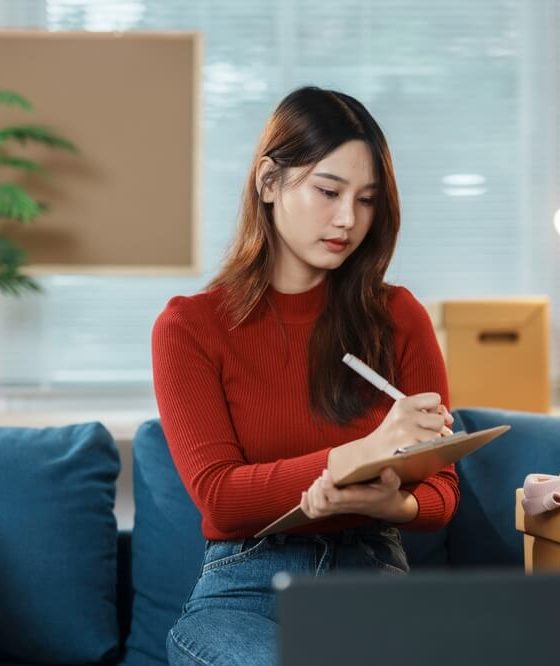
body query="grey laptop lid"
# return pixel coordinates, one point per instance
(478, 618)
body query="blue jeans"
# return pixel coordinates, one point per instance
(229, 618)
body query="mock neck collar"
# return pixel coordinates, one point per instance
(302, 307)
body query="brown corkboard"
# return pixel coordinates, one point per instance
(129, 202)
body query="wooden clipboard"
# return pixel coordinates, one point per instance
(412, 463)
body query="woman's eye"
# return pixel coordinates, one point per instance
(330, 194)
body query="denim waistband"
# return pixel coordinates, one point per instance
(345, 536)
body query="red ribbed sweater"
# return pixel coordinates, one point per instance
(235, 411)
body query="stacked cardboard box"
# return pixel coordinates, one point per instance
(497, 353)
(541, 537)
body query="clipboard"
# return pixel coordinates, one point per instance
(412, 463)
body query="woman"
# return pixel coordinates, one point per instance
(255, 401)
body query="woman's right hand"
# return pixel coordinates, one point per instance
(415, 418)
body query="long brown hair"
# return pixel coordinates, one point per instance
(306, 126)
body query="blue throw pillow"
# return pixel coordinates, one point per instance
(483, 530)
(429, 549)
(58, 540)
(167, 547)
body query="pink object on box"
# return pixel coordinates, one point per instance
(542, 493)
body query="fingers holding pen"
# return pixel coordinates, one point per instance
(427, 411)
(431, 421)
(425, 402)
(448, 417)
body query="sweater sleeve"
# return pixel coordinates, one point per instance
(421, 368)
(235, 498)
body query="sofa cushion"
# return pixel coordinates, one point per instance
(167, 547)
(58, 539)
(483, 530)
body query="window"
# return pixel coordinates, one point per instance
(467, 94)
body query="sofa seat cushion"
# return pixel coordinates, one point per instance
(58, 539)
(483, 533)
(167, 547)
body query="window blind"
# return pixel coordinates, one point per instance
(467, 94)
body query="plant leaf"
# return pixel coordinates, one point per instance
(12, 281)
(20, 163)
(16, 204)
(37, 134)
(10, 253)
(17, 284)
(12, 98)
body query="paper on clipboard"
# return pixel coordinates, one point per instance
(412, 463)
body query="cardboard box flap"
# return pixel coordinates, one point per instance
(493, 314)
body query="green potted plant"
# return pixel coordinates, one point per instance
(16, 204)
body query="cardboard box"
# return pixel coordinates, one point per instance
(497, 353)
(541, 537)
(540, 554)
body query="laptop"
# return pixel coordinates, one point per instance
(460, 618)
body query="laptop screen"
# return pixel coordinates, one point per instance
(474, 618)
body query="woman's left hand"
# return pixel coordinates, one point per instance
(382, 499)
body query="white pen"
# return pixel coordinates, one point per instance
(372, 377)
(378, 381)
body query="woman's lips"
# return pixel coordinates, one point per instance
(335, 246)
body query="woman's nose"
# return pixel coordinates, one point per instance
(345, 217)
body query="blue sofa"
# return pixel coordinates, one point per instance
(74, 590)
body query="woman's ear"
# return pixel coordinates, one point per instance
(265, 192)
